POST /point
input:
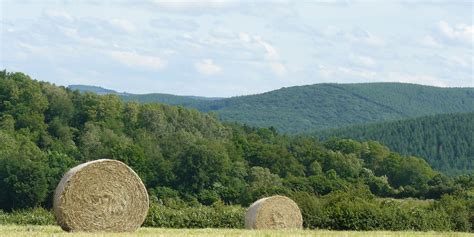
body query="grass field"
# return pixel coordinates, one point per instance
(20, 231)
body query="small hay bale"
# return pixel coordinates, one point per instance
(101, 195)
(275, 212)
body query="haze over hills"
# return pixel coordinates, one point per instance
(445, 141)
(322, 106)
(95, 89)
(144, 98)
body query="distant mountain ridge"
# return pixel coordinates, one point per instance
(144, 98)
(95, 89)
(304, 109)
(445, 141)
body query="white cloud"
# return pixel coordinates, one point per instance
(123, 25)
(359, 35)
(344, 73)
(364, 61)
(278, 68)
(271, 52)
(222, 33)
(88, 41)
(415, 79)
(360, 43)
(459, 60)
(331, 34)
(58, 16)
(207, 67)
(244, 37)
(176, 24)
(132, 59)
(184, 4)
(429, 41)
(460, 33)
(195, 7)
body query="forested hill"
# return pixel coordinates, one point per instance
(184, 155)
(95, 89)
(445, 141)
(187, 101)
(321, 106)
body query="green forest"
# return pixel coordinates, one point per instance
(192, 161)
(186, 101)
(444, 141)
(302, 109)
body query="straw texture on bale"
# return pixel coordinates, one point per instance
(275, 212)
(101, 195)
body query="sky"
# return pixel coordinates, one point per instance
(223, 48)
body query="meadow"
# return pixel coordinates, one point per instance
(35, 230)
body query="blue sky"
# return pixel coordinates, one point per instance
(228, 48)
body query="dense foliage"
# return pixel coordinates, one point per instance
(188, 156)
(358, 210)
(95, 89)
(306, 108)
(186, 101)
(445, 141)
(36, 216)
(349, 210)
(181, 215)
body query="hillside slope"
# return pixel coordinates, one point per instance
(187, 101)
(445, 141)
(95, 89)
(304, 108)
(321, 106)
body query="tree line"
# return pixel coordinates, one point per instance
(445, 141)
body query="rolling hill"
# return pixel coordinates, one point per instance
(94, 89)
(444, 141)
(302, 109)
(187, 101)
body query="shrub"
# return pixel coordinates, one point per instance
(358, 210)
(311, 209)
(23, 183)
(36, 216)
(217, 215)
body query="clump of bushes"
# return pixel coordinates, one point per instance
(341, 210)
(178, 214)
(359, 210)
(36, 216)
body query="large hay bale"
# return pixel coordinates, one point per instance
(276, 212)
(101, 195)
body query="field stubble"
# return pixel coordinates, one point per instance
(31, 230)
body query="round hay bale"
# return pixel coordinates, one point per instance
(275, 212)
(101, 195)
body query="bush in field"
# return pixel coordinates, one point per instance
(37, 216)
(348, 211)
(338, 211)
(459, 211)
(23, 183)
(359, 210)
(311, 209)
(217, 215)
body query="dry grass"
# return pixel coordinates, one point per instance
(23, 231)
